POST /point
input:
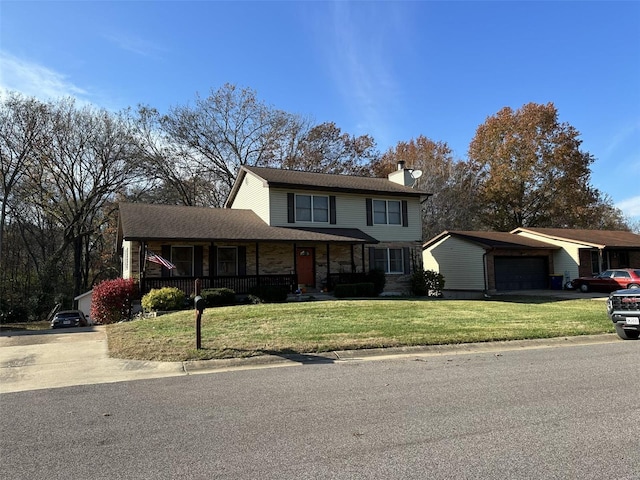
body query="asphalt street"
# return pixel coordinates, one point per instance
(561, 409)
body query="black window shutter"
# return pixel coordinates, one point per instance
(372, 258)
(242, 261)
(166, 254)
(291, 208)
(332, 209)
(197, 260)
(405, 258)
(369, 212)
(405, 215)
(213, 261)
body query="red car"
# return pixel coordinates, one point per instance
(609, 280)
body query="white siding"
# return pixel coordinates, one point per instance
(126, 260)
(566, 260)
(461, 263)
(351, 212)
(253, 195)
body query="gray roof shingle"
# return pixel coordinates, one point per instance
(597, 238)
(140, 221)
(279, 178)
(494, 240)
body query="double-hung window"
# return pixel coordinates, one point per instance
(387, 212)
(389, 260)
(182, 258)
(227, 261)
(312, 208)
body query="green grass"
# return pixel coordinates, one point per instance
(14, 327)
(314, 327)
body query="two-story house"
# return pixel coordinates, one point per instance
(280, 227)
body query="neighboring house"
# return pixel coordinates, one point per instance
(280, 227)
(585, 253)
(84, 304)
(475, 262)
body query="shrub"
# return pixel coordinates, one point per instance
(216, 297)
(428, 282)
(270, 293)
(345, 290)
(378, 278)
(419, 284)
(111, 300)
(165, 298)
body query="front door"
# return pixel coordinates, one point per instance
(305, 261)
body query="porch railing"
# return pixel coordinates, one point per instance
(344, 277)
(241, 284)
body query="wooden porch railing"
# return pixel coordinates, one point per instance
(241, 285)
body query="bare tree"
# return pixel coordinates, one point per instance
(325, 149)
(90, 155)
(231, 128)
(22, 122)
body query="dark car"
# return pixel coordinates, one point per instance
(69, 318)
(609, 280)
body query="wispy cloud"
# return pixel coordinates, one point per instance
(630, 207)
(35, 80)
(361, 64)
(135, 44)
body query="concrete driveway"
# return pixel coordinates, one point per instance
(62, 358)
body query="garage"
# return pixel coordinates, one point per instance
(521, 273)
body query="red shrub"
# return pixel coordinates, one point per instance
(112, 299)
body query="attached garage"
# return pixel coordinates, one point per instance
(521, 273)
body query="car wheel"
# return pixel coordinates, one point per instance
(633, 285)
(626, 334)
(584, 288)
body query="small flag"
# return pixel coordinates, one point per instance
(152, 257)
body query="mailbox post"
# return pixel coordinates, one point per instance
(198, 303)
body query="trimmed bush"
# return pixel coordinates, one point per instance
(270, 293)
(427, 282)
(163, 299)
(378, 278)
(217, 297)
(111, 300)
(346, 290)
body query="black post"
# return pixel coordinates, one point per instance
(199, 306)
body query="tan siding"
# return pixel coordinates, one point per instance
(253, 195)
(351, 212)
(461, 263)
(566, 260)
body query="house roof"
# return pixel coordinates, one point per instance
(595, 238)
(279, 178)
(493, 240)
(139, 221)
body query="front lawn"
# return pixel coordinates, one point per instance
(312, 327)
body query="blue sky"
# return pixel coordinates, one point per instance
(394, 70)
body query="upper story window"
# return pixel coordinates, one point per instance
(387, 212)
(182, 258)
(312, 208)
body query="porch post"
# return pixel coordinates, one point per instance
(142, 266)
(328, 267)
(353, 260)
(257, 263)
(362, 257)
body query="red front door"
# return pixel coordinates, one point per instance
(305, 260)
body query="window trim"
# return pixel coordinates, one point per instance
(401, 212)
(313, 207)
(176, 262)
(237, 265)
(387, 260)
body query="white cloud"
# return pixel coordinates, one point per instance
(35, 80)
(134, 44)
(630, 206)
